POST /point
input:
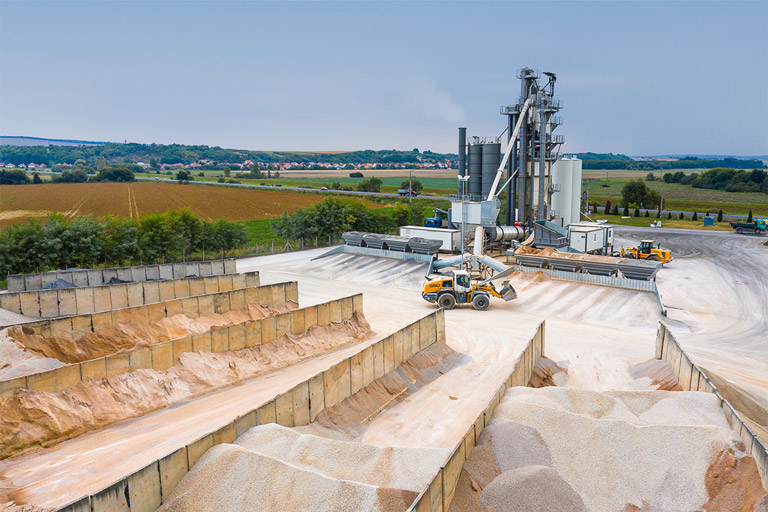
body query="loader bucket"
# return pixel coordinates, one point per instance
(508, 292)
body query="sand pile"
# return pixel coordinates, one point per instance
(125, 337)
(229, 478)
(352, 414)
(32, 418)
(658, 372)
(656, 445)
(17, 362)
(546, 372)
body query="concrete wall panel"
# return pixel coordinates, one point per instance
(66, 275)
(140, 359)
(139, 315)
(44, 381)
(344, 382)
(49, 303)
(167, 290)
(202, 342)
(197, 449)
(301, 404)
(16, 283)
(205, 305)
(67, 376)
(284, 406)
(204, 268)
(121, 316)
(226, 283)
(251, 296)
(225, 434)
(268, 329)
(310, 317)
(94, 369)
(389, 354)
(165, 271)
(135, 293)
(190, 307)
(125, 274)
(180, 288)
(84, 301)
(162, 356)
(29, 304)
(180, 346)
(229, 266)
(253, 333)
(221, 303)
(118, 364)
(80, 278)
(102, 298)
(237, 300)
(37, 281)
(10, 302)
(292, 291)
(172, 469)
(347, 308)
(211, 284)
(335, 311)
(357, 303)
(220, 340)
(173, 307)
(252, 279)
(378, 360)
(356, 369)
(366, 360)
(111, 499)
(109, 274)
(283, 324)
(197, 286)
(61, 327)
(297, 322)
(144, 489)
(278, 295)
(155, 312)
(138, 274)
(151, 292)
(397, 346)
(323, 314)
(118, 296)
(237, 337)
(95, 277)
(330, 379)
(102, 320)
(67, 301)
(8, 387)
(267, 413)
(243, 423)
(83, 505)
(179, 270)
(316, 396)
(152, 272)
(440, 325)
(217, 267)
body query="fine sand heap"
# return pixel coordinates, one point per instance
(276, 468)
(31, 418)
(125, 337)
(663, 451)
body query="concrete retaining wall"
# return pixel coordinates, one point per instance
(100, 276)
(439, 494)
(94, 299)
(162, 356)
(691, 378)
(159, 356)
(149, 486)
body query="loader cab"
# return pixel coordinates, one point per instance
(646, 246)
(462, 282)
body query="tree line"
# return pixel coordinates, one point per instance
(85, 241)
(335, 215)
(627, 163)
(730, 180)
(156, 154)
(79, 174)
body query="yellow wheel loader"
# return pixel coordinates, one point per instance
(646, 251)
(449, 290)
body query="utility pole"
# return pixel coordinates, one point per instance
(410, 185)
(463, 180)
(661, 203)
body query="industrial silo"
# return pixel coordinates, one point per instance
(475, 169)
(491, 161)
(575, 189)
(562, 196)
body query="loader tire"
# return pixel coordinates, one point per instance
(653, 258)
(630, 256)
(480, 302)
(446, 301)
(740, 231)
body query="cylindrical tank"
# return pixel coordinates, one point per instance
(475, 169)
(505, 233)
(491, 161)
(575, 190)
(561, 200)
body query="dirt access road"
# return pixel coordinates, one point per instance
(716, 294)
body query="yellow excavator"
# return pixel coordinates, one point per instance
(647, 251)
(458, 288)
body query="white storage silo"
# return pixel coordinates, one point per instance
(575, 165)
(561, 199)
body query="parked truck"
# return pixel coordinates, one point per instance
(407, 192)
(757, 227)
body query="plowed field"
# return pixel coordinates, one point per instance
(20, 202)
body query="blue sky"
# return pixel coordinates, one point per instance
(634, 77)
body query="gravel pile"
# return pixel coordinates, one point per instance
(530, 489)
(655, 445)
(402, 468)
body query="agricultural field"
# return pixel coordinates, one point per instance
(20, 202)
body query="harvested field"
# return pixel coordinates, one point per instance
(32, 418)
(131, 200)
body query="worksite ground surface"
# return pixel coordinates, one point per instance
(716, 295)
(598, 330)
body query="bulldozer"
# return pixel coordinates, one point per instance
(458, 288)
(647, 251)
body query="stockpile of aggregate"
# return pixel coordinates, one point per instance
(276, 468)
(124, 337)
(32, 418)
(614, 451)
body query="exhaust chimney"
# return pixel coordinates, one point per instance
(462, 154)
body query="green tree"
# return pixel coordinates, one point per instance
(636, 191)
(336, 185)
(682, 217)
(669, 215)
(36, 179)
(227, 171)
(637, 212)
(626, 210)
(184, 175)
(370, 185)
(650, 177)
(101, 162)
(13, 177)
(720, 216)
(694, 216)
(749, 217)
(615, 210)
(122, 173)
(416, 185)
(647, 214)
